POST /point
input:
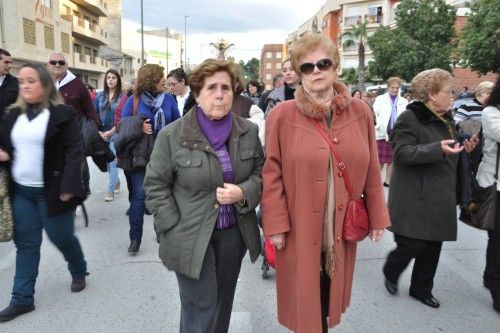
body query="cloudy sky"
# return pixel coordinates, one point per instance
(248, 24)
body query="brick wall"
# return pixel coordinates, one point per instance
(465, 77)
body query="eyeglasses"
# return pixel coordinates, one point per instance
(323, 65)
(55, 62)
(172, 84)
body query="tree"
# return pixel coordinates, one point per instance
(251, 69)
(422, 39)
(357, 34)
(349, 76)
(479, 43)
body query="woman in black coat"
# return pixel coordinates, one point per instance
(422, 196)
(42, 147)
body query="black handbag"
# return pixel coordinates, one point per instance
(482, 207)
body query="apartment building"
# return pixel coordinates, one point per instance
(271, 58)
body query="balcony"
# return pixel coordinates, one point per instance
(374, 19)
(352, 20)
(88, 31)
(96, 7)
(89, 63)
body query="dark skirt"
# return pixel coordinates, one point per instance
(384, 152)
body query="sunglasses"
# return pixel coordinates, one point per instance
(60, 62)
(323, 65)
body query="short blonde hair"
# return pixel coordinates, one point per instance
(484, 87)
(311, 43)
(394, 79)
(428, 82)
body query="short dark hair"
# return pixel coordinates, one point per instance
(277, 77)
(254, 83)
(179, 75)
(208, 68)
(4, 53)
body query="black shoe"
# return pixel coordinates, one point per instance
(147, 212)
(78, 283)
(486, 284)
(392, 288)
(127, 212)
(134, 246)
(429, 301)
(13, 311)
(496, 306)
(386, 184)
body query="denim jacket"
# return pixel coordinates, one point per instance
(106, 118)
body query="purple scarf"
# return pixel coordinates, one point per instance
(217, 133)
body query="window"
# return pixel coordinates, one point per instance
(29, 31)
(278, 55)
(268, 77)
(278, 65)
(46, 3)
(48, 34)
(353, 16)
(269, 55)
(374, 14)
(268, 65)
(350, 63)
(65, 42)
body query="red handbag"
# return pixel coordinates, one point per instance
(270, 251)
(356, 223)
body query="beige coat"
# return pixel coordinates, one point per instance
(293, 201)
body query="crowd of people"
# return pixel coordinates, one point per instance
(201, 152)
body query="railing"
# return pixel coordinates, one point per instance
(352, 20)
(373, 18)
(81, 57)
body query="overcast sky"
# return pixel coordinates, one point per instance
(248, 24)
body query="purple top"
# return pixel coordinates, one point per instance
(217, 133)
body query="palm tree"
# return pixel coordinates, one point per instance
(349, 38)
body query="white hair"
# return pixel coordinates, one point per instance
(56, 53)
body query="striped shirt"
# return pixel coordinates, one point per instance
(470, 110)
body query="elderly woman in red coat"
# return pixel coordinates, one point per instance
(304, 199)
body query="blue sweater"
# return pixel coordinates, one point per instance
(169, 107)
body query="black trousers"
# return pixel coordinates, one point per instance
(492, 271)
(324, 285)
(426, 254)
(206, 304)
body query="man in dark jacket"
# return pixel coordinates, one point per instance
(9, 87)
(75, 94)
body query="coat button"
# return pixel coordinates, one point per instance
(195, 145)
(188, 162)
(206, 147)
(336, 141)
(340, 174)
(339, 239)
(216, 206)
(337, 112)
(341, 206)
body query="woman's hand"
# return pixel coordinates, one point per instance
(278, 240)
(4, 156)
(376, 235)
(147, 128)
(66, 197)
(105, 135)
(471, 144)
(451, 147)
(229, 194)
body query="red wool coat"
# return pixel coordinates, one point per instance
(294, 200)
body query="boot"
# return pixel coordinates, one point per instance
(117, 187)
(78, 283)
(134, 246)
(13, 311)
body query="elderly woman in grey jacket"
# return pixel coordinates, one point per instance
(422, 196)
(203, 184)
(485, 177)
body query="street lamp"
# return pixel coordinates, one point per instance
(185, 43)
(142, 34)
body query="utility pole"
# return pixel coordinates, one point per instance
(185, 44)
(166, 36)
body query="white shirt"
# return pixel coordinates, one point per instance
(181, 101)
(1, 79)
(28, 140)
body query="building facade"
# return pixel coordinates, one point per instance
(271, 58)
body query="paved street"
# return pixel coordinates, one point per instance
(136, 293)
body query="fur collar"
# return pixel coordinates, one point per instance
(424, 115)
(312, 109)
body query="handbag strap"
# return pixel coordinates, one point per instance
(496, 164)
(340, 163)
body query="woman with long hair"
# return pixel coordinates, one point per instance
(42, 148)
(106, 105)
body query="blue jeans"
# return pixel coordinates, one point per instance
(137, 205)
(112, 169)
(30, 217)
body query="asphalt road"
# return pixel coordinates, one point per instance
(136, 293)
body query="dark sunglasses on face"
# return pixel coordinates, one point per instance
(60, 62)
(323, 65)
